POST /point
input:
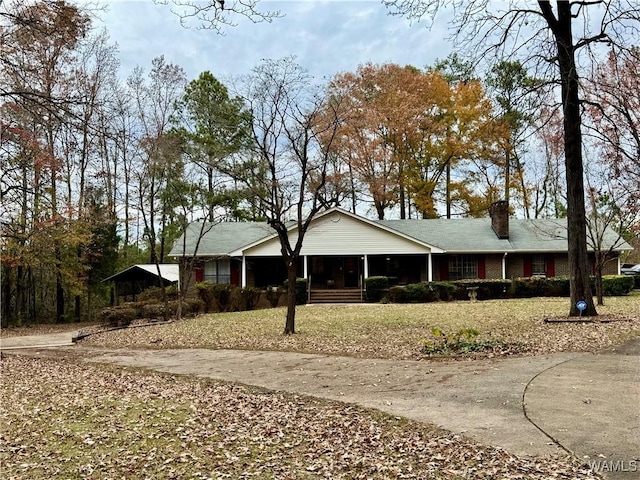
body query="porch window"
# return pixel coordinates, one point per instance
(463, 266)
(218, 271)
(538, 265)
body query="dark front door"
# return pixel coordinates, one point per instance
(351, 272)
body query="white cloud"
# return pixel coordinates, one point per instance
(327, 37)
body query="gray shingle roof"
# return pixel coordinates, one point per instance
(465, 235)
(476, 234)
(219, 239)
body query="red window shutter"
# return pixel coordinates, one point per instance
(482, 267)
(199, 274)
(444, 268)
(551, 266)
(235, 274)
(528, 268)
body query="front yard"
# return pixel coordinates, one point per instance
(61, 419)
(393, 331)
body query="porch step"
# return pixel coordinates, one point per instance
(336, 296)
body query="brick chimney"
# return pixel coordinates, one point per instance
(499, 213)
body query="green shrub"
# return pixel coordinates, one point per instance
(250, 297)
(222, 295)
(556, 287)
(465, 341)
(486, 288)
(154, 294)
(528, 287)
(444, 291)
(119, 316)
(616, 285)
(155, 310)
(375, 288)
(396, 294)
(205, 292)
(301, 291)
(273, 295)
(192, 306)
(416, 293)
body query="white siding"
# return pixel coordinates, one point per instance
(338, 234)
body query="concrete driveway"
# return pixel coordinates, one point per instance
(579, 403)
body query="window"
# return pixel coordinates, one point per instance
(463, 266)
(538, 265)
(218, 271)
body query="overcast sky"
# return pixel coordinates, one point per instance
(326, 36)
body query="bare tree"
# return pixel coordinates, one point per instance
(290, 169)
(606, 223)
(216, 14)
(549, 38)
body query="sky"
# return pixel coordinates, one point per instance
(327, 37)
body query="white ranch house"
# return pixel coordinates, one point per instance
(341, 249)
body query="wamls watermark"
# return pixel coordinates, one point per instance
(603, 466)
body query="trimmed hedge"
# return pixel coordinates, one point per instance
(301, 291)
(613, 285)
(616, 285)
(375, 288)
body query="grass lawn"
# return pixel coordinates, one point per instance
(61, 419)
(392, 331)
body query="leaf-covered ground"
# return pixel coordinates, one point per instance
(392, 331)
(43, 329)
(61, 419)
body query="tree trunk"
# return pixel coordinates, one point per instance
(576, 218)
(292, 275)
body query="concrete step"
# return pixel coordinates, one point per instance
(336, 296)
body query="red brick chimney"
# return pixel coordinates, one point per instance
(499, 213)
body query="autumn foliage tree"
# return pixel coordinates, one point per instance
(550, 37)
(407, 129)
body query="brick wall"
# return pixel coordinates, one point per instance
(493, 265)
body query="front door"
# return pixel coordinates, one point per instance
(351, 272)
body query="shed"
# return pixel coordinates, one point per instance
(137, 278)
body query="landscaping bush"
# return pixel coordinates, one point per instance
(157, 310)
(375, 288)
(154, 294)
(250, 297)
(529, 287)
(396, 294)
(222, 295)
(616, 285)
(412, 293)
(119, 316)
(192, 306)
(205, 292)
(418, 293)
(444, 291)
(465, 342)
(273, 295)
(301, 291)
(556, 287)
(487, 289)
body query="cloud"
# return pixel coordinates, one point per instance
(326, 37)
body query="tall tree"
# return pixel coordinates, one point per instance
(573, 26)
(290, 168)
(215, 127)
(513, 90)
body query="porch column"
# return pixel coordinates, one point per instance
(504, 266)
(243, 280)
(366, 267)
(429, 268)
(305, 266)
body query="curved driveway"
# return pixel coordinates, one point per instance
(585, 404)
